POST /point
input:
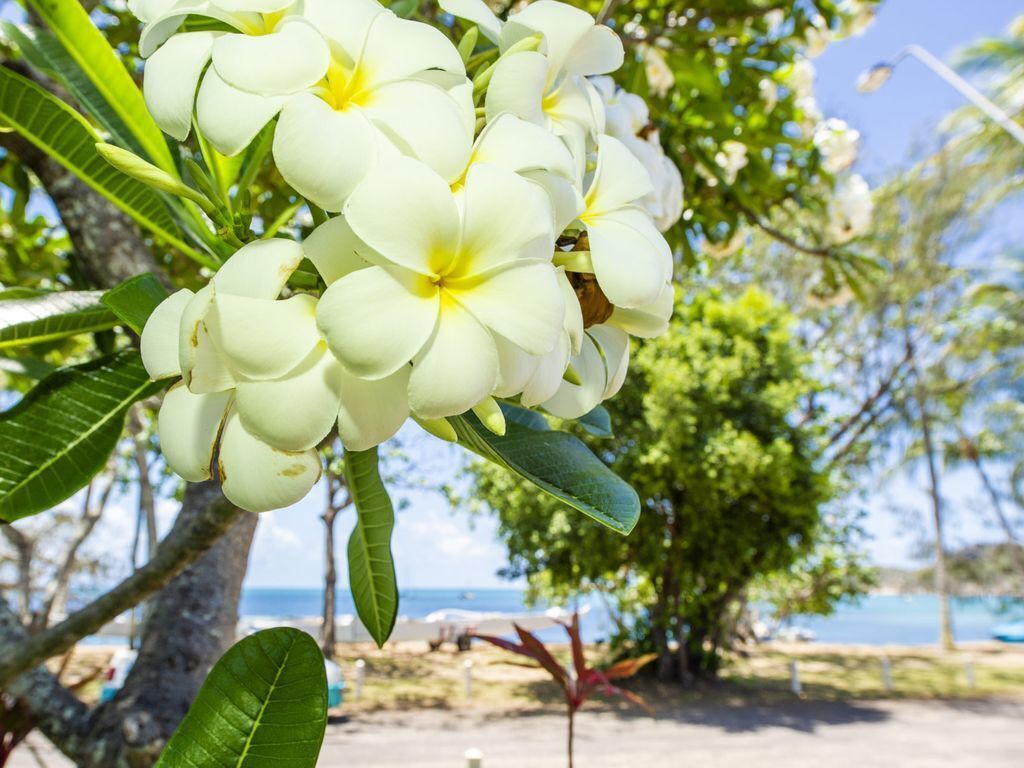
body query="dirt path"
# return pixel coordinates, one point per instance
(883, 734)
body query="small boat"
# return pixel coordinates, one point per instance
(796, 635)
(1009, 633)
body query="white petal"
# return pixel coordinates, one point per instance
(255, 6)
(620, 178)
(515, 367)
(573, 321)
(335, 250)
(372, 411)
(561, 24)
(322, 152)
(547, 378)
(598, 51)
(456, 369)
(188, 425)
(523, 302)
(202, 364)
(406, 191)
(631, 259)
(297, 411)
(171, 79)
(423, 121)
(346, 23)
(649, 321)
(259, 270)
(566, 200)
(477, 12)
(257, 477)
(506, 218)
(519, 145)
(159, 29)
(263, 339)
(230, 118)
(573, 400)
(376, 319)
(614, 346)
(290, 59)
(161, 336)
(399, 48)
(148, 10)
(517, 87)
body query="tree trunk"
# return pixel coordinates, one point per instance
(1016, 553)
(935, 496)
(191, 624)
(24, 550)
(328, 641)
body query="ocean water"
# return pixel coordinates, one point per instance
(875, 620)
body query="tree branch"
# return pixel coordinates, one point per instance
(191, 536)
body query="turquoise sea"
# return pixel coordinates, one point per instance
(877, 619)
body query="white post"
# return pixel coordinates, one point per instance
(360, 678)
(969, 671)
(467, 678)
(794, 678)
(474, 758)
(887, 674)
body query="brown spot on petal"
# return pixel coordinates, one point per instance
(294, 470)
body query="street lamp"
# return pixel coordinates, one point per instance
(874, 78)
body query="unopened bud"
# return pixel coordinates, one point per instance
(490, 415)
(439, 428)
(132, 165)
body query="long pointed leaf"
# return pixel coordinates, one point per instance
(63, 431)
(52, 316)
(71, 24)
(44, 51)
(371, 568)
(134, 300)
(51, 125)
(559, 464)
(263, 704)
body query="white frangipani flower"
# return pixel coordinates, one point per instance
(460, 269)
(850, 210)
(630, 257)
(818, 37)
(837, 143)
(731, 158)
(601, 366)
(660, 77)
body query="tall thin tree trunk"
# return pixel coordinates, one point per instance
(328, 641)
(572, 733)
(935, 496)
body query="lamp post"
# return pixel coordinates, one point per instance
(872, 79)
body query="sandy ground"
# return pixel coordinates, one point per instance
(879, 734)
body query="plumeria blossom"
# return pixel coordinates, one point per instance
(548, 86)
(628, 120)
(837, 143)
(850, 210)
(732, 158)
(630, 257)
(456, 274)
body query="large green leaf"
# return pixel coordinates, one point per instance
(44, 52)
(134, 300)
(559, 464)
(264, 704)
(62, 432)
(71, 24)
(51, 316)
(371, 568)
(64, 135)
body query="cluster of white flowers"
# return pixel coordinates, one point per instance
(850, 210)
(837, 143)
(503, 249)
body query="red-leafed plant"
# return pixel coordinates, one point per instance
(581, 681)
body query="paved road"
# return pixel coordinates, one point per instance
(883, 734)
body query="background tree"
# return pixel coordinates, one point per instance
(705, 430)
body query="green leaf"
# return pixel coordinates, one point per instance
(559, 464)
(71, 24)
(44, 52)
(525, 417)
(597, 422)
(63, 134)
(263, 705)
(371, 568)
(29, 367)
(50, 316)
(134, 300)
(61, 433)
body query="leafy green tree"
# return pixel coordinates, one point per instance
(705, 431)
